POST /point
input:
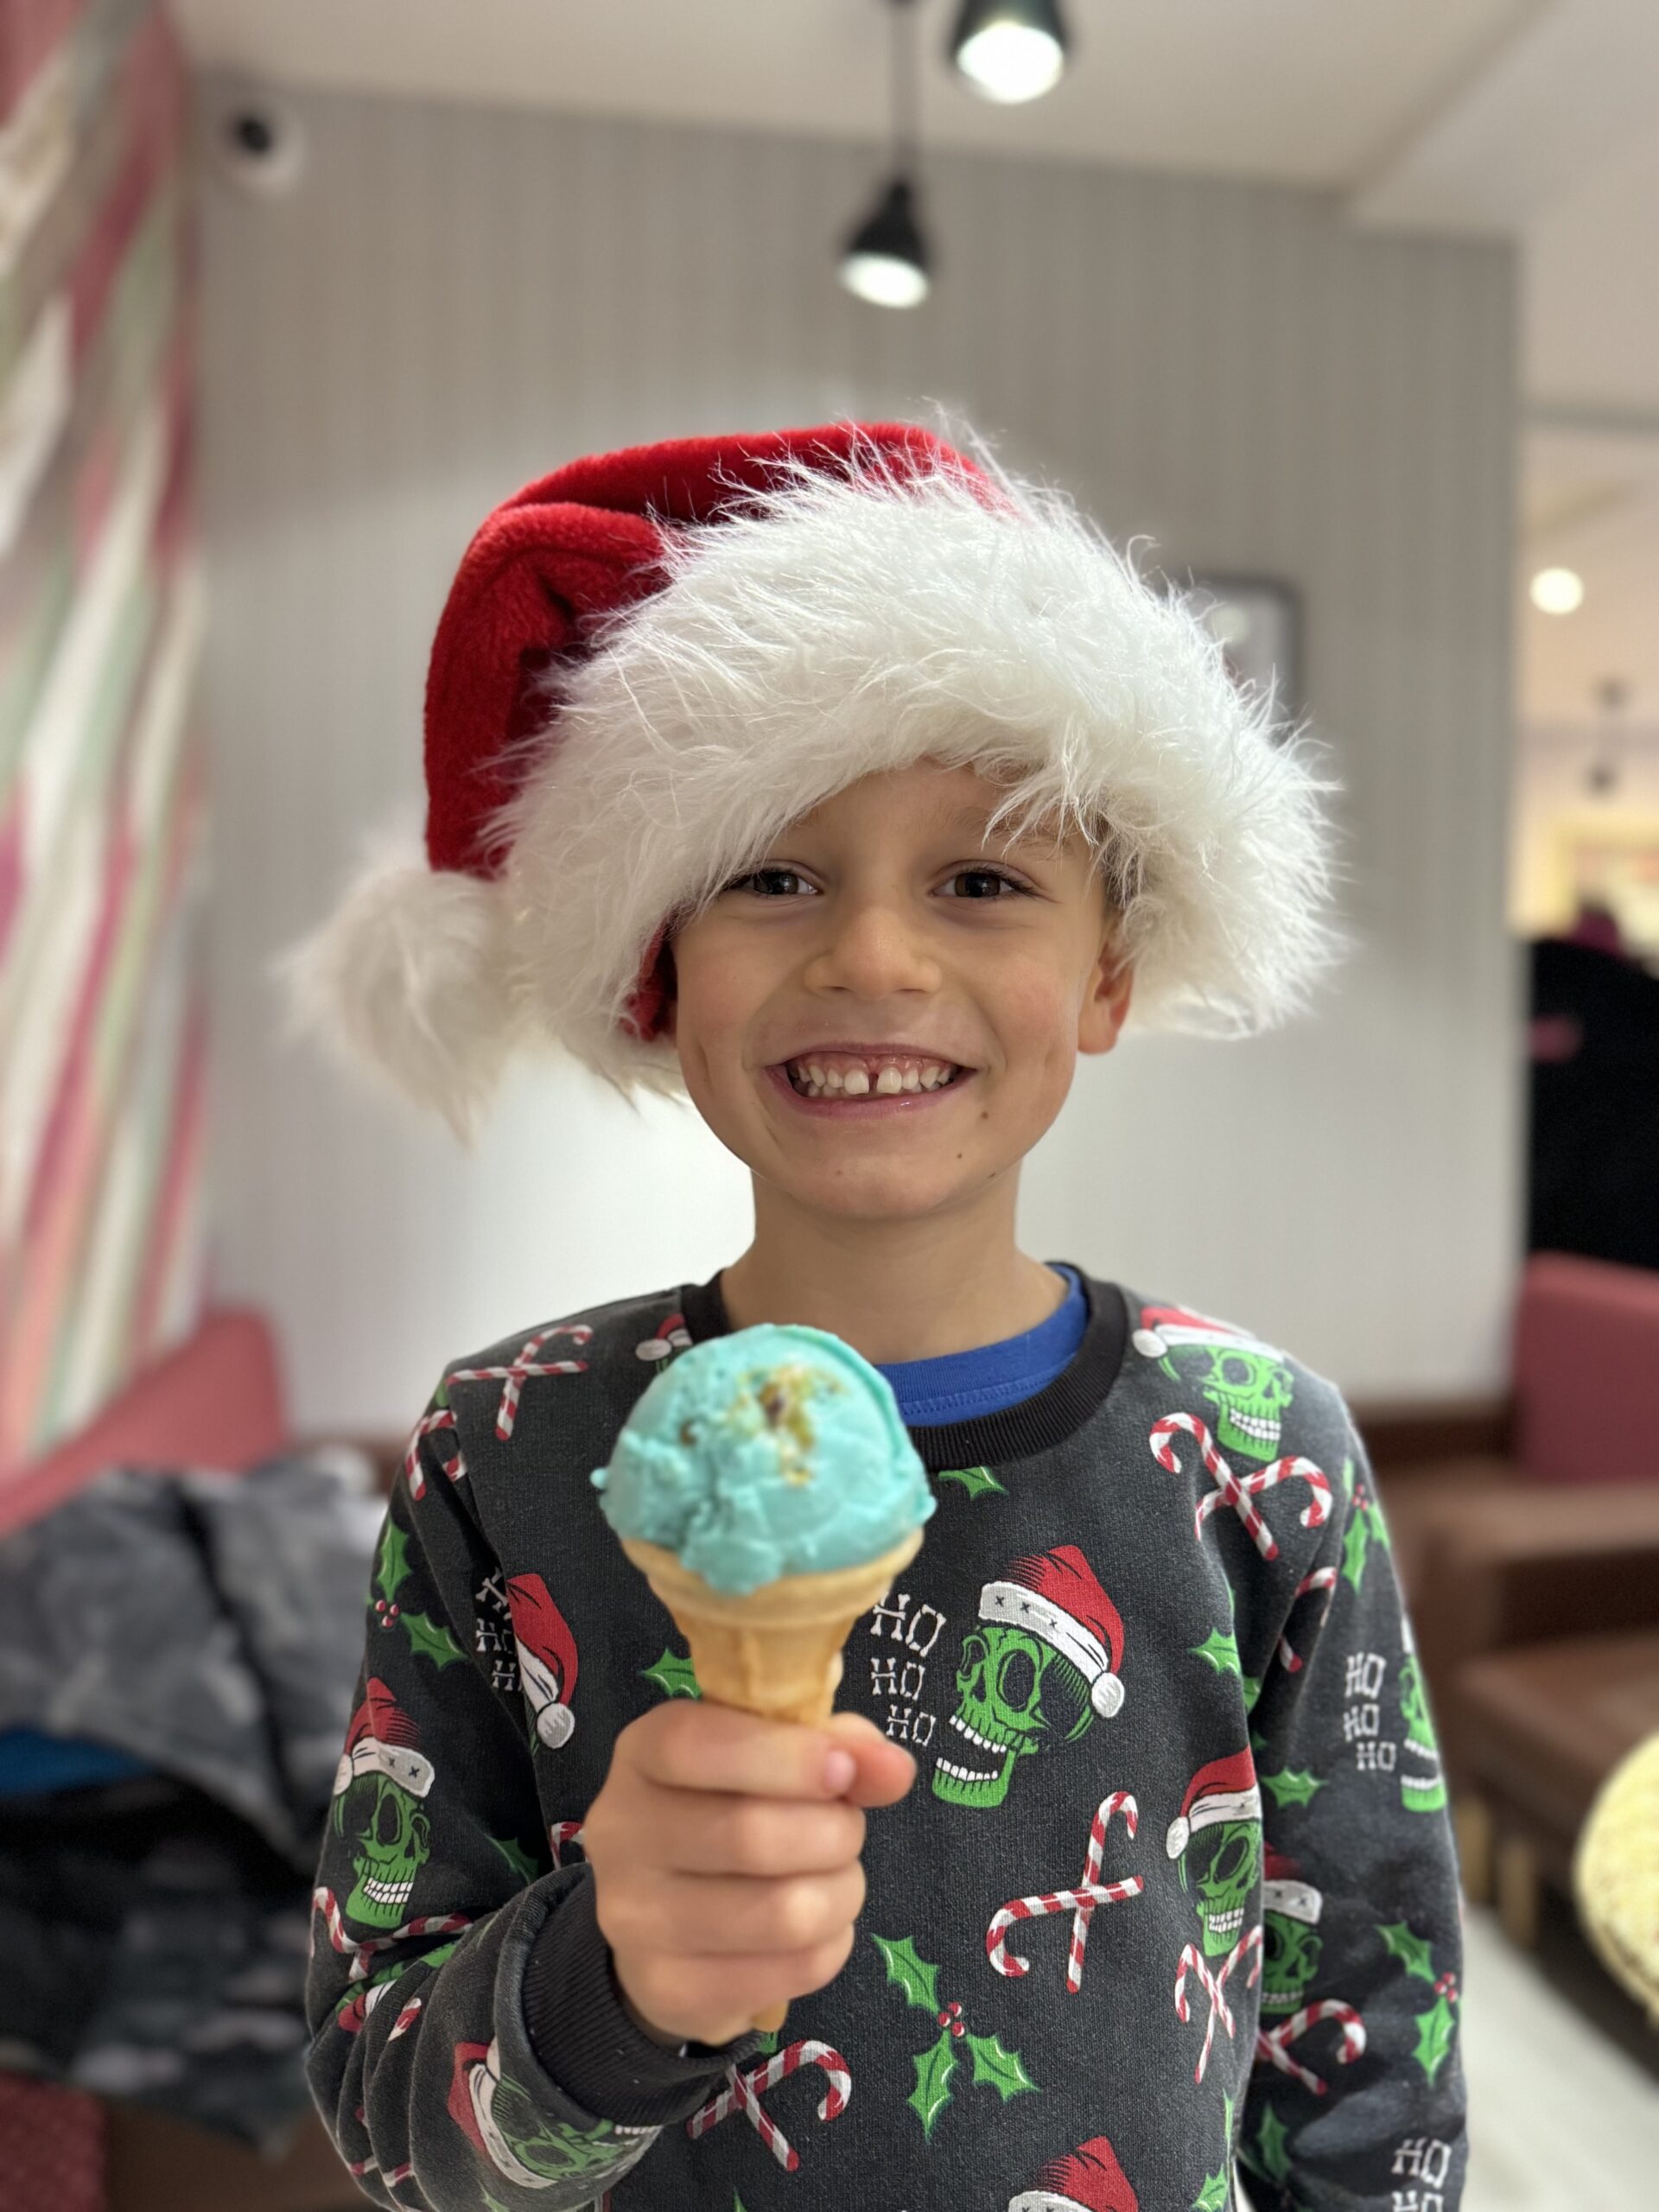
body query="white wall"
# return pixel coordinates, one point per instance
(456, 300)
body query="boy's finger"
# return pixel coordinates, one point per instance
(886, 1770)
(713, 1747)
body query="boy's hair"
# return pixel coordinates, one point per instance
(775, 618)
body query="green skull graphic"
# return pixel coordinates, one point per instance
(520, 2140)
(394, 1843)
(1016, 1695)
(1422, 1785)
(1221, 1863)
(1249, 1391)
(1290, 1958)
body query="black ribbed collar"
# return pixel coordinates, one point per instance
(1021, 1432)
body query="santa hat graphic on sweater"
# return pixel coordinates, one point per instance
(652, 661)
(382, 1741)
(1088, 2179)
(1224, 1790)
(1164, 1327)
(1057, 1597)
(1284, 1889)
(547, 1657)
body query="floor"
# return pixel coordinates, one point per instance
(1563, 2079)
(1563, 2074)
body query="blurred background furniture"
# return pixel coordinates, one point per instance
(1527, 1536)
(216, 1401)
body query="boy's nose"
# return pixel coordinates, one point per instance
(874, 948)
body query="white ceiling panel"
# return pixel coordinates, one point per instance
(1309, 92)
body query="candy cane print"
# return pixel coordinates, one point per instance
(1239, 1490)
(1216, 1988)
(745, 2090)
(405, 2019)
(560, 1833)
(1079, 1903)
(1323, 1577)
(361, 1951)
(524, 1364)
(442, 1417)
(1274, 2044)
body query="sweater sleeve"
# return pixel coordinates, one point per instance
(469, 2048)
(1357, 2095)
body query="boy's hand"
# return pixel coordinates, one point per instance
(725, 1854)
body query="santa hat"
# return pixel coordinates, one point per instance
(652, 661)
(1162, 1326)
(1055, 1595)
(382, 1741)
(1283, 1890)
(547, 1657)
(1089, 2180)
(1223, 1791)
(671, 1335)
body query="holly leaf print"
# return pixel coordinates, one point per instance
(1252, 1690)
(1355, 1545)
(431, 1638)
(934, 2068)
(768, 2043)
(1415, 1953)
(1435, 2031)
(1348, 1477)
(1221, 1651)
(392, 1562)
(520, 1860)
(1271, 2155)
(1291, 1786)
(1212, 2197)
(1001, 2070)
(975, 1480)
(918, 1980)
(673, 1675)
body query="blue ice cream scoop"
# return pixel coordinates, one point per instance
(775, 1450)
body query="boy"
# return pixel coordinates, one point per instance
(855, 789)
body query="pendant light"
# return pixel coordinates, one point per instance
(1010, 50)
(886, 259)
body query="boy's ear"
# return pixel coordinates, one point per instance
(1107, 1004)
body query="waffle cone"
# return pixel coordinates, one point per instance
(776, 1650)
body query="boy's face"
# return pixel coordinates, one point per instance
(881, 940)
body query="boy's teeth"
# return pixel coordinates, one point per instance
(820, 1079)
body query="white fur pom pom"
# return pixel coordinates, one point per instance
(411, 974)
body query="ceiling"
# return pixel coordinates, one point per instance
(1535, 119)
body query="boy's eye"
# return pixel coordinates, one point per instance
(989, 883)
(771, 882)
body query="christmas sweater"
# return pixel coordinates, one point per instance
(1174, 1885)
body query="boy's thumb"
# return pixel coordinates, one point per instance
(886, 1770)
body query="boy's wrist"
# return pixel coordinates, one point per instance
(592, 2041)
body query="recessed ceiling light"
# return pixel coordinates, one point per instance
(1557, 591)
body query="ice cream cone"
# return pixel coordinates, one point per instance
(775, 1650)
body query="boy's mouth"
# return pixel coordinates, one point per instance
(867, 1082)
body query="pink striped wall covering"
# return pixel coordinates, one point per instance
(102, 786)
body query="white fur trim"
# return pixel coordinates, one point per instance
(1219, 1805)
(411, 978)
(412, 1770)
(840, 626)
(554, 1719)
(1043, 2200)
(1296, 1900)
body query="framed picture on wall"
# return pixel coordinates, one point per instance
(1258, 623)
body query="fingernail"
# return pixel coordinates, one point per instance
(839, 1768)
